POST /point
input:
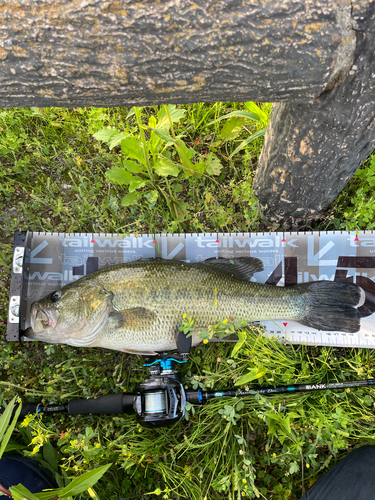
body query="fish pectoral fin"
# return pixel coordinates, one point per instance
(241, 268)
(137, 317)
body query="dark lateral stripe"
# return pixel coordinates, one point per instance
(357, 262)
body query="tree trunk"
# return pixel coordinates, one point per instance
(126, 53)
(312, 150)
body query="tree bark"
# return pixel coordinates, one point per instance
(312, 150)
(126, 53)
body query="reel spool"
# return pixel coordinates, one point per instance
(155, 402)
(160, 400)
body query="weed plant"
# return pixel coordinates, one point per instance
(59, 172)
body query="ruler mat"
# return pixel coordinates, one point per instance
(51, 260)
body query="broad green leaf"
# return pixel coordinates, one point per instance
(188, 152)
(137, 183)
(119, 175)
(152, 122)
(244, 114)
(130, 199)
(177, 188)
(116, 139)
(151, 197)
(181, 208)
(165, 167)
(256, 110)
(132, 166)
(294, 467)
(132, 148)
(19, 492)
(231, 128)
(50, 456)
(252, 138)
(251, 375)
(6, 437)
(105, 134)
(164, 135)
(85, 481)
(213, 165)
(175, 114)
(47, 495)
(199, 168)
(14, 446)
(240, 343)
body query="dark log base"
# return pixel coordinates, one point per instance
(312, 150)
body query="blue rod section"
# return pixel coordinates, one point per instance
(204, 396)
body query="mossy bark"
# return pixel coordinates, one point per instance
(126, 53)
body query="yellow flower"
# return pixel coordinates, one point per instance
(274, 455)
(307, 466)
(205, 341)
(346, 214)
(184, 316)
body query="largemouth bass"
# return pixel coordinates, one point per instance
(137, 307)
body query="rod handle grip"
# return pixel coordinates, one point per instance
(108, 404)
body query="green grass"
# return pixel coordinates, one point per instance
(53, 178)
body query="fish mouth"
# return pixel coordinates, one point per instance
(44, 317)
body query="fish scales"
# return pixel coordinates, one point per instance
(173, 289)
(137, 307)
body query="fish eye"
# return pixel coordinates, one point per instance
(55, 296)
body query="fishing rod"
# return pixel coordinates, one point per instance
(160, 400)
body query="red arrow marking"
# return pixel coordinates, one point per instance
(154, 241)
(217, 241)
(92, 241)
(285, 324)
(283, 240)
(356, 238)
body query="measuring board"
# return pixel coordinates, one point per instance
(44, 262)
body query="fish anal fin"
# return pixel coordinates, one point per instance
(137, 318)
(140, 353)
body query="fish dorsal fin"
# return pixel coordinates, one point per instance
(135, 318)
(241, 268)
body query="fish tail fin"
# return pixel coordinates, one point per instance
(331, 306)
